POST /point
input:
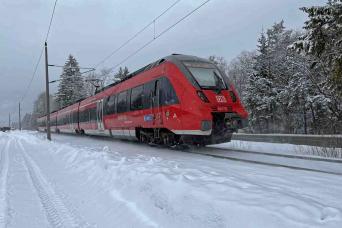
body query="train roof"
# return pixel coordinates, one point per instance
(181, 57)
(174, 58)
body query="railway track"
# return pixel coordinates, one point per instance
(290, 161)
(296, 162)
(304, 157)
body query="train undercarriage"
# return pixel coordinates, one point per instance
(222, 128)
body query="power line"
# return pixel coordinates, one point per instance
(160, 34)
(40, 55)
(53, 13)
(33, 75)
(136, 34)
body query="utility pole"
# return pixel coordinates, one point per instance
(19, 118)
(48, 132)
(9, 120)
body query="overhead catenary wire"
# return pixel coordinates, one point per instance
(160, 34)
(136, 34)
(33, 75)
(40, 55)
(51, 19)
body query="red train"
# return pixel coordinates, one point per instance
(179, 99)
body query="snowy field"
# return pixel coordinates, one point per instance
(90, 182)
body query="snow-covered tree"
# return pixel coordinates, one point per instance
(239, 70)
(322, 42)
(261, 96)
(39, 105)
(71, 86)
(220, 62)
(39, 108)
(121, 74)
(280, 95)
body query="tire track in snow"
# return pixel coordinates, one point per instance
(57, 213)
(4, 166)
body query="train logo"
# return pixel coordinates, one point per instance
(221, 99)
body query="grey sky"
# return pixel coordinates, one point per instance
(91, 29)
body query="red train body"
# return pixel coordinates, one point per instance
(178, 99)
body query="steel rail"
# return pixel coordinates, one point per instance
(304, 157)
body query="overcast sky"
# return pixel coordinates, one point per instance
(91, 29)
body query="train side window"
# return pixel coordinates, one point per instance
(106, 105)
(93, 114)
(75, 117)
(148, 90)
(167, 94)
(110, 107)
(122, 102)
(83, 116)
(137, 98)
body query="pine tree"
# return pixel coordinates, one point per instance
(71, 87)
(239, 70)
(121, 74)
(270, 98)
(322, 42)
(261, 95)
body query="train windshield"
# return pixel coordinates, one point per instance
(206, 75)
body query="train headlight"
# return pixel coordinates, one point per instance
(202, 96)
(206, 125)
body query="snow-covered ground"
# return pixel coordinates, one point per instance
(282, 148)
(90, 182)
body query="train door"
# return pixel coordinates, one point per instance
(99, 115)
(157, 109)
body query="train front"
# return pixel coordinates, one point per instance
(211, 106)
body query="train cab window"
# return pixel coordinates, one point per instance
(207, 75)
(167, 94)
(148, 91)
(110, 105)
(137, 98)
(122, 105)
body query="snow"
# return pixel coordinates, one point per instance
(276, 148)
(91, 182)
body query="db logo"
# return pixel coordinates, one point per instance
(221, 99)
